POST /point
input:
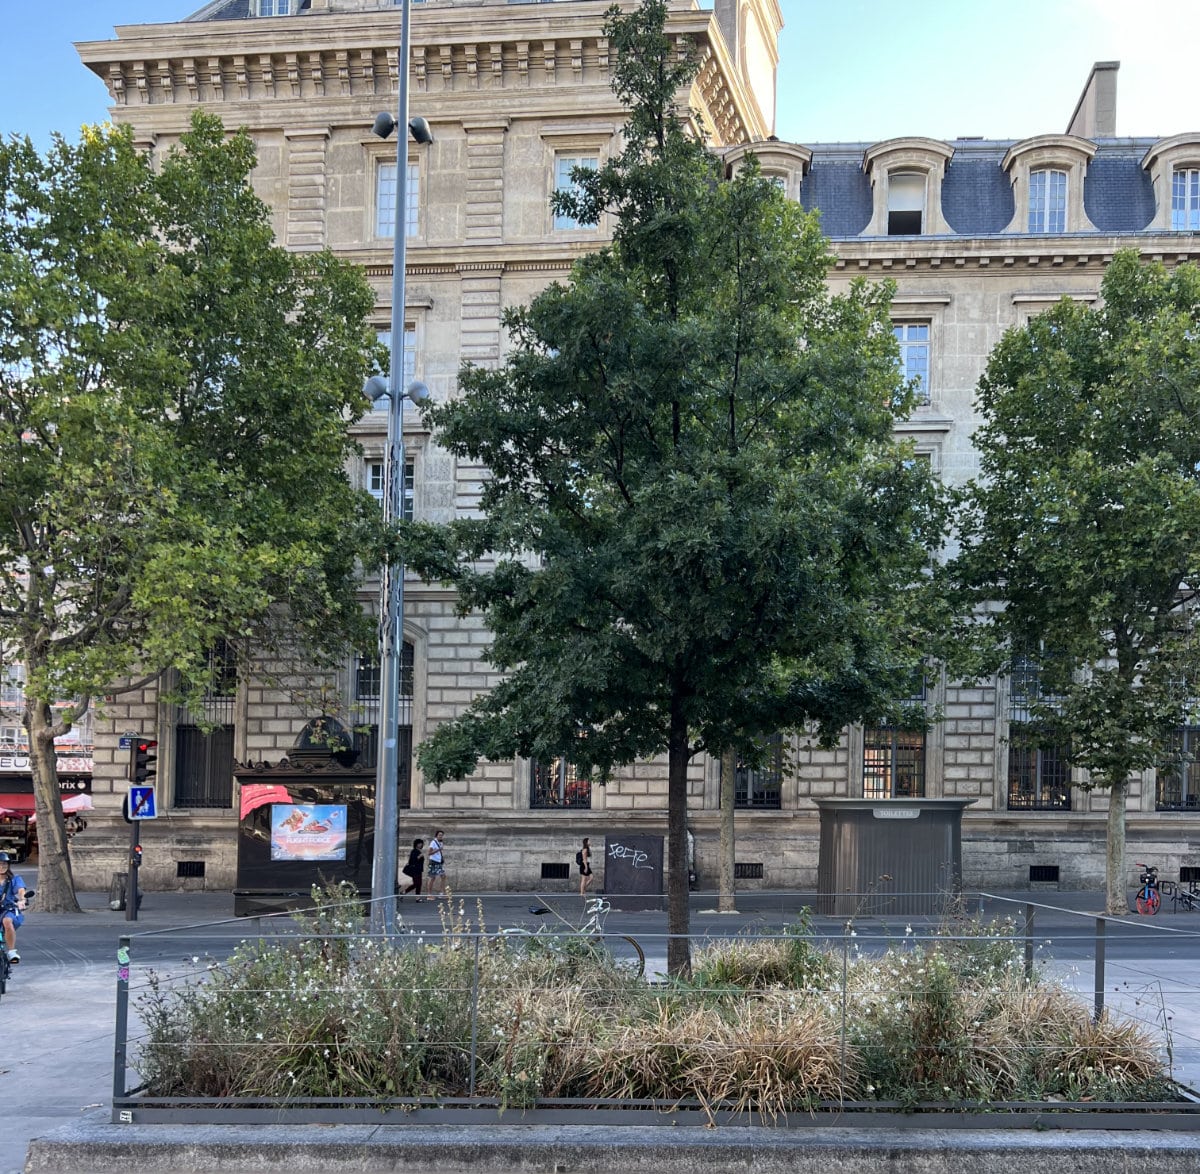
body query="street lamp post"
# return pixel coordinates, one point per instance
(383, 872)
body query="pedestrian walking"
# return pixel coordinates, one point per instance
(415, 869)
(437, 866)
(583, 858)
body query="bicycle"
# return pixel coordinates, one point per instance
(1148, 899)
(1189, 898)
(5, 965)
(625, 952)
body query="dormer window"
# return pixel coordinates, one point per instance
(1185, 199)
(1047, 174)
(906, 204)
(274, 7)
(783, 164)
(906, 179)
(1174, 166)
(1047, 201)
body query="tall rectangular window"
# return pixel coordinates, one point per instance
(385, 200)
(564, 165)
(906, 203)
(1185, 199)
(1039, 776)
(1178, 786)
(410, 357)
(376, 486)
(761, 787)
(893, 763)
(556, 784)
(913, 338)
(1048, 201)
(204, 748)
(366, 684)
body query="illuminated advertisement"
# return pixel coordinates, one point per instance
(308, 831)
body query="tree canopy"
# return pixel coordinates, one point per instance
(697, 527)
(1085, 523)
(176, 390)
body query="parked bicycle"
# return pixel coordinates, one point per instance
(1148, 899)
(625, 951)
(1189, 898)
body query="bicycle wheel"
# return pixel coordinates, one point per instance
(1147, 901)
(5, 966)
(626, 952)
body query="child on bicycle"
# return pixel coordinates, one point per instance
(12, 906)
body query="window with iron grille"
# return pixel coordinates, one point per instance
(761, 787)
(1178, 786)
(1039, 775)
(204, 737)
(365, 737)
(557, 784)
(893, 763)
(893, 756)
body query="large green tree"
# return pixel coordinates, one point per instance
(1085, 523)
(174, 394)
(697, 528)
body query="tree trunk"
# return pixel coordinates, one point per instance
(725, 901)
(679, 952)
(1116, 902)
(55, 885)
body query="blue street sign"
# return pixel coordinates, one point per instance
(141, 803)
(125, 742)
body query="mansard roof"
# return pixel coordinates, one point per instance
(977, 196)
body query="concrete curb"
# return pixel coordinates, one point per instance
(96, 1146)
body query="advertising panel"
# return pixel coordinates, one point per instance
(308, 831)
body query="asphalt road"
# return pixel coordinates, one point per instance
(58, 1013)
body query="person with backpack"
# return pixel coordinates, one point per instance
(415, 869)
(583, 858)
(12, 906)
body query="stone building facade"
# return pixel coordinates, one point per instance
(977, 235)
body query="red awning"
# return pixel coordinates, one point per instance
(21, 804)
(255, 795)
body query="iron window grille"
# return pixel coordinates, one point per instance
(365, 717)
(557, 784)
(760, 788)
(204, 736)
(1178, 784)
(893, 763)
(1039, 774)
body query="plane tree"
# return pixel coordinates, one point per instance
(696, 527)
(1081, 537)
(174, 395)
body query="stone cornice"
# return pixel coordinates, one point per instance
(458, 55)
(887, 256)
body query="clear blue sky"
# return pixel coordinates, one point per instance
(861, 70)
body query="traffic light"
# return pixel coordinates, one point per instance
(143, 762)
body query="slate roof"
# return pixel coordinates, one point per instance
(1118, 195)
(977, 197)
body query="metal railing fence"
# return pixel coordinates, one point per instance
(448, 1021)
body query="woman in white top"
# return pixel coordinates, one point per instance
(437, 865)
